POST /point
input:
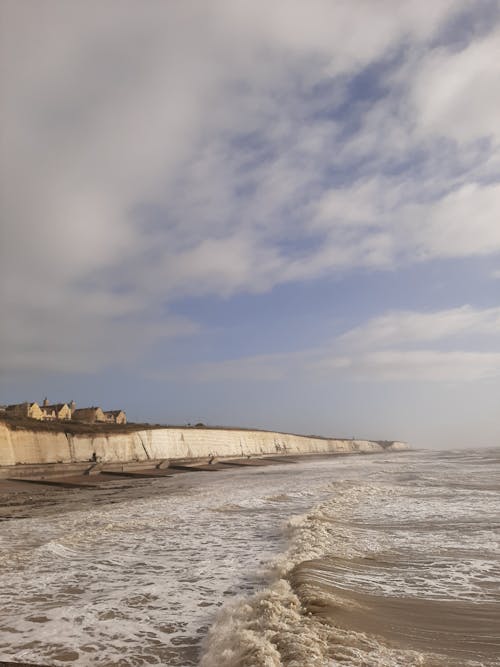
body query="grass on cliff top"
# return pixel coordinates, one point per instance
(99, 428)
(73, 427)
(76, 427)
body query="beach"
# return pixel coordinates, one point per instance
(391, 559)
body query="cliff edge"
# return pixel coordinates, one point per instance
(42, 446)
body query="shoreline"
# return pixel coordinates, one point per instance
(28, 497)
(47, 445)
(165, 533)
(22, 498)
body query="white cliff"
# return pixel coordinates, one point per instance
(20, 446)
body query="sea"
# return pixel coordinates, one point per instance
(383, 560)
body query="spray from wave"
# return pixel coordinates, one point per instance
(361, 585)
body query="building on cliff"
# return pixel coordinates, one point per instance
(115, 416)
(57, 411)
(64, 412)
(89, 415)
(26, 409)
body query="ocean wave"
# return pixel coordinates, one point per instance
(349, 556)
(271, 629)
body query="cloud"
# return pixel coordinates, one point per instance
(163, 150)
(462, 224)
(397, 346)
(60, 340)
(416, 366)
(381, 223)
(455, 93)
(407, 327)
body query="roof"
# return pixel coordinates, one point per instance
(113, 412)
(18, 405)
(80, 410)
(55, 406)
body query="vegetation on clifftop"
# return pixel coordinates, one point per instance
(100, 428)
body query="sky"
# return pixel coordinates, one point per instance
(258, 213)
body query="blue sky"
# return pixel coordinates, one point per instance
(283, 215)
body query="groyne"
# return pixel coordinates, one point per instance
(21, 446)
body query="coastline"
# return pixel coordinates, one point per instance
(39, 460)
(24, 497)
(66, 444)
(333, 557)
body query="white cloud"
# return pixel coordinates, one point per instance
(416, 366)
(466, 222)
(397, 346)
(375, 222)
(110, 109)
(456, 93)
(406, 327)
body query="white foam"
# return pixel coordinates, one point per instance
(140, 582)
(417, 529)
(130, 581)
(269, 629)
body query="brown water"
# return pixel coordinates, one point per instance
(377, 561)
(459, 631)
(398, 567)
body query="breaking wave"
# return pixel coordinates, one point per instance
(378, 574)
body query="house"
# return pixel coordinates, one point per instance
(89, 415)
(31, 410)
(64, 412)
(60, 411)
(115, 416)
(49, 414)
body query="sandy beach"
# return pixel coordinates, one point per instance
(20, 498)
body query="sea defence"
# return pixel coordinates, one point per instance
(21, 446)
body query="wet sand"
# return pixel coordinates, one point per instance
(23, 498)
(19, 500)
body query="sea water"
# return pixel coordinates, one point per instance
(388, 559)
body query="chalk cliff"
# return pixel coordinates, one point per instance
(21, 446)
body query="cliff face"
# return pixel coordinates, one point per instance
(37, 447)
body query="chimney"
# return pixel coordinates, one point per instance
(45, 402)
(72, 406)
